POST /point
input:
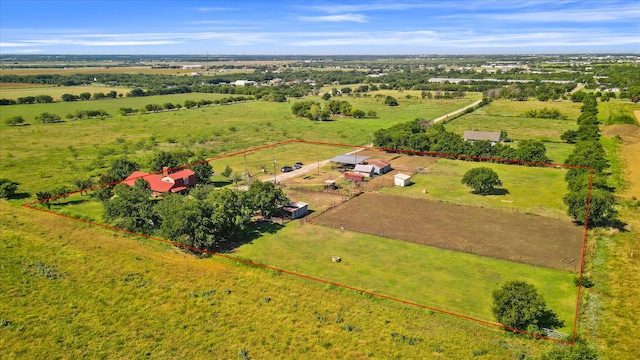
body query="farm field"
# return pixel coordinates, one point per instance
(447, 280)
(534, 240)
(526, 189)
(121, 296)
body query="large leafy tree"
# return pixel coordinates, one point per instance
(132, 207)
(266, 198)
(186, 220)
(601, 210)
(122, 167)
(518, 305)
(532, 151)
(482, 180)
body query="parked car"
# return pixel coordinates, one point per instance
(286, 169)
(297, 166)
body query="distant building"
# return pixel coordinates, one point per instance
(472, 136)
(243, 82)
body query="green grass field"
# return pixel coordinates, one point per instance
(56, 92)
(122, 296)
(39, 156)
(509, 116)
(71, 290)
(447, 280)
(530, 189)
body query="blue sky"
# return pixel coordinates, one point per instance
(319, 27)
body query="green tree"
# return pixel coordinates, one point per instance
(390, 101)
(357, 113)
(185, 220)
(236, 177)
(46, 117)
(569, 136)
(532, 151)
(601, 209)
(518, 305)
(482, 180)
(326, 96)
(203, 170)
(83, 185)
(162, 159)
(227, 171)
(131, 208)
(8, 188)
(121, 168)
(14, 120)
(266, 198)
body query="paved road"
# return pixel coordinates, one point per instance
(454, 113)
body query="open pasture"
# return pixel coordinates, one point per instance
(509, 115)
(40, 156)
(442, 279)
(535, 240)
(535, 190)
(17, 90)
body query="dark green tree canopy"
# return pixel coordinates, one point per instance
(482, 180)
(518, 305)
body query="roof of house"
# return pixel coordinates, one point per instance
(293, 206)
(181, 174)
(363, 168)
(402, 176)
(481, 135)
(155, 181)
(349, 159)
(378, 163)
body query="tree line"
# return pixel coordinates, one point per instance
(425, 136)
(588, 152)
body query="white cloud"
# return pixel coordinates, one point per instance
(336, 18)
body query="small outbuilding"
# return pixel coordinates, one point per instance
(366, 170)
(401, 179)
(296, 210)
(379, 166)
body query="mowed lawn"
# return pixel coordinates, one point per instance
(446, 280)
(535, 190)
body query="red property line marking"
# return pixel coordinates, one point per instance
(307, 277)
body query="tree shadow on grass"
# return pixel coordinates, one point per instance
(499, 191)
(548, 319)
(19, 196)
(254, 231)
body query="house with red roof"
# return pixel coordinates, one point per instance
(166, 183)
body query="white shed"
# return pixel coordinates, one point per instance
(366, 170)
(296, 210)
(401, 179)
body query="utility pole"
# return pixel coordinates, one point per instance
(275, 177)
(245, 165)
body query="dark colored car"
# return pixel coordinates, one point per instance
(286, 169)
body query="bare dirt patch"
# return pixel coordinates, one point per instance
(530, 239)
(630, 135)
